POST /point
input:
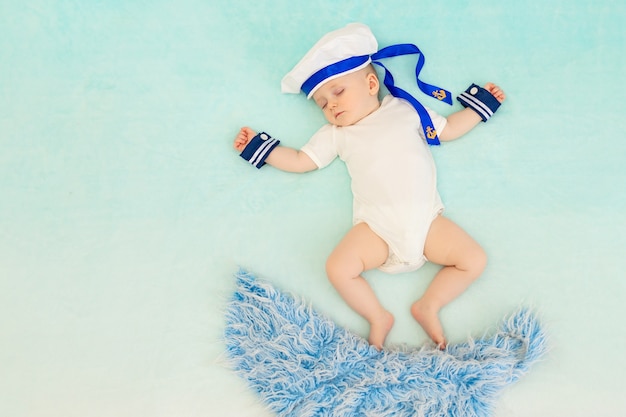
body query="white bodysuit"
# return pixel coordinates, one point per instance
(394, 179)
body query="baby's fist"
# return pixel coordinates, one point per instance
(245, 135)
(495, 91)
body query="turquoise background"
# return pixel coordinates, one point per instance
(124, 210)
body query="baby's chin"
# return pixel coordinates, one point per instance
(344, 120)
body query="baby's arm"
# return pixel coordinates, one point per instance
(463, 121)
(281, 157)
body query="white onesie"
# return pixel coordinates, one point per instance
(394, 179)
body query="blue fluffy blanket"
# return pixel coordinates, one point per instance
(303, 364)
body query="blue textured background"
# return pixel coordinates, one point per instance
(124, 210)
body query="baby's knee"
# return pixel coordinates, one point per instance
(339, 268)
(478, 261)
(333, 268)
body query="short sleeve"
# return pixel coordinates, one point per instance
(439, 122)
(322, 148)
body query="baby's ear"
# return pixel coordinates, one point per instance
(373, 83)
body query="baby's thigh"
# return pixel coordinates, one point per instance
(448, 244)
(360, 250)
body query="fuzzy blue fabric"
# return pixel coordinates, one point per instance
(303, 364)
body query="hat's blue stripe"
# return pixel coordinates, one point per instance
(332, 70)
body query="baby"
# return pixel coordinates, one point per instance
(397, 212)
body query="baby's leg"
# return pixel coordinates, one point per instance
(360, 250)
(463, 261)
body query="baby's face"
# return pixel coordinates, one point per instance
(349, 98)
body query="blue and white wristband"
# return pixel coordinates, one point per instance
(258, 149)
(479, 100)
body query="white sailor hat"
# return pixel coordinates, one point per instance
(338, 53)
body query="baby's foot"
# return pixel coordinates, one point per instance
(428, 318)
(379, 329)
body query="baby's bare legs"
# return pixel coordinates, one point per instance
(463, 261)
(360, 250)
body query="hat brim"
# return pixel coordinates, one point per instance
(329, 73)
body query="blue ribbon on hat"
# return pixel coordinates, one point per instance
(430, 133)
(332, 70)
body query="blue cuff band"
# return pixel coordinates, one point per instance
(259, 148)
(479, 100)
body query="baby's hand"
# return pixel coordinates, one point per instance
(495, 91)
(245, 135)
